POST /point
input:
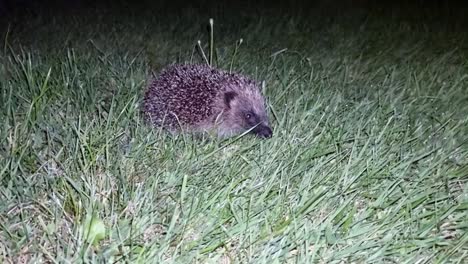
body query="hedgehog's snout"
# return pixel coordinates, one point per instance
(263, 131)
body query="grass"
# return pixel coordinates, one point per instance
(368, 163)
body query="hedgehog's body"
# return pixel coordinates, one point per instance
(198, 98)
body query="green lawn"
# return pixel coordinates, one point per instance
(368, 162)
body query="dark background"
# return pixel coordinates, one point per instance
(32, 23)
(448, 9)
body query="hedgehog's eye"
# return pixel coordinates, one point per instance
(248, 115)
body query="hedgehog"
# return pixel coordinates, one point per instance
(199, 98)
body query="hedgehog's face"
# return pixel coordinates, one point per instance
(246, 112)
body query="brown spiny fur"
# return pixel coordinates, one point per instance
(199, 98)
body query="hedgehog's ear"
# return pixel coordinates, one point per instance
(228, 97)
